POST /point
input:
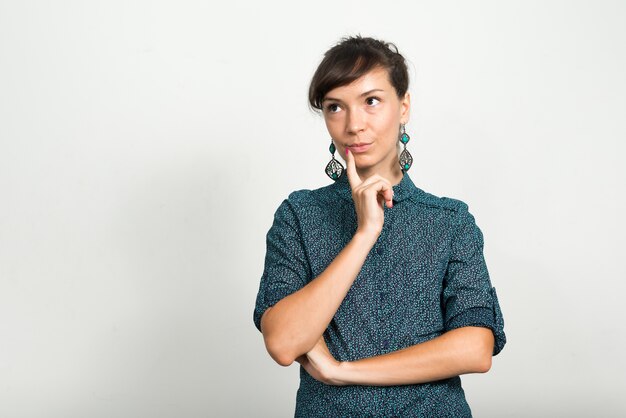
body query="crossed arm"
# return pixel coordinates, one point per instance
(459, 351)
(293, 331)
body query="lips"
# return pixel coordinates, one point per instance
(359, 147)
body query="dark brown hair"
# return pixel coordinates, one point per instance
(350, 59)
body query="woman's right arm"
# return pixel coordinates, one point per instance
(293, 325)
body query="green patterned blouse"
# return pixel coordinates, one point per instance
(425, 275)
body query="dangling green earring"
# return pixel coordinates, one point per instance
(406, 159)
(334, 169)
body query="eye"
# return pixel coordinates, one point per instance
(372, 101)
(332, 108)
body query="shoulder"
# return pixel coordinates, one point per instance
(307, 202)
(444, 203)
(455, 212)
(304, 198)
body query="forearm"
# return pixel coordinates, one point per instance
(459, 351)
(294, 324)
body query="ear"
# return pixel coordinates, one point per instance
(405, 108)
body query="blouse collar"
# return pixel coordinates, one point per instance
(406, 188)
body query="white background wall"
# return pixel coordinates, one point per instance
(145, 145)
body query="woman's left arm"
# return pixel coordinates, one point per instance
(458, 351)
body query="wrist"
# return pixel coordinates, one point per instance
(342, 373)
(367, 236)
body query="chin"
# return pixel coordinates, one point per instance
(364, 164)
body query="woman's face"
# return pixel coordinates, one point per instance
(366, 116)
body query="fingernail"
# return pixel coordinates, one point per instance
(347, 150)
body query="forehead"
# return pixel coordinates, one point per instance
(377, 78)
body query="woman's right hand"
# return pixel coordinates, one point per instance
(368, 195)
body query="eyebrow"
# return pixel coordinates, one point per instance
(360, 95)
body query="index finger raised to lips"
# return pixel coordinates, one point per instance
(353, 176)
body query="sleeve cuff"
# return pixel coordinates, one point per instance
(270, 300)
(481, 317)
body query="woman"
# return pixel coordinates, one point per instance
(377, 288)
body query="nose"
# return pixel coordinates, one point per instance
(354, 122)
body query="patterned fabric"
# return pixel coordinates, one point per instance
(425, 275)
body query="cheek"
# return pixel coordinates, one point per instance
(389, 125)
(333, 126)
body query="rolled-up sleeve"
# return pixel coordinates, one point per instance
(286, 265)
(468, 297)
